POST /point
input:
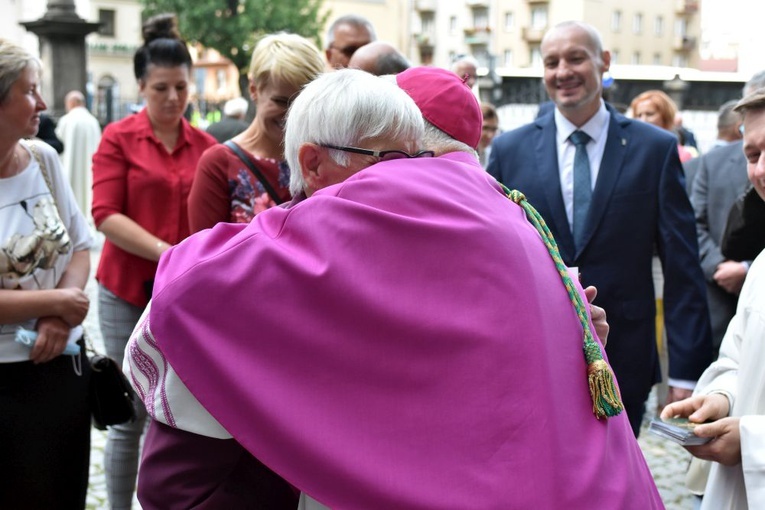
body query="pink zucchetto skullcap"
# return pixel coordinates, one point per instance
(445, 101)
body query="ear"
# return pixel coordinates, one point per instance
(310, 158)
(253, 91)
(141, 85)
(328, 54)
(606, 58)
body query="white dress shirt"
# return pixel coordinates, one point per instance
(597, 129)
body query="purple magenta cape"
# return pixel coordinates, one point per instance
(399, 340)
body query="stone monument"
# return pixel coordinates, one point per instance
(62, 52)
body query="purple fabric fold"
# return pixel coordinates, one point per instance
(399, 340)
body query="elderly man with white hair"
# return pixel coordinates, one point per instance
(359, 343)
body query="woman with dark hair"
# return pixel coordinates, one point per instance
(142, 174)
(44, 265)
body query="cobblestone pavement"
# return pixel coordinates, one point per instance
(666, 460)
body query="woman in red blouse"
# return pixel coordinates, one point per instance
(225, 188)
(142, 174)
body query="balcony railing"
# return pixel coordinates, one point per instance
(687, 6)
(477, 35)
(684, 43)
(425, 5)
(533, 34)
(424, 40)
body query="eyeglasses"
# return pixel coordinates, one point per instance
(383, 155)
(348, 51)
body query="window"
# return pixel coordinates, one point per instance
(681, 27)
(539, 17)
(636, 58)
(453, 24)
(428, 22)
(616, 21)
(658, 26)
(614, 57)
(480, 17)
(657, 59)
(200, 77)
(679, 61)
(106, 18)
(220, 78)
(508, 58)
(535, 56)
(509, 21)
(637, 23)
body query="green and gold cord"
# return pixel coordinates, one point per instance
(606, 400)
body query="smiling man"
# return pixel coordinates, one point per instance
(611, 189)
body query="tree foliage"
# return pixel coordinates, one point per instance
(232, 27)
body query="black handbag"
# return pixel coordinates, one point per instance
(111, 396)
(109, 392)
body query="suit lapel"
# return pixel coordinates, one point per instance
(611, 166)
(547, 164)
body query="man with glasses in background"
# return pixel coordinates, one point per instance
(346, 35)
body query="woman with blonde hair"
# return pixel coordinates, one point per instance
(248, 174)
(44, 265)
(657, 108)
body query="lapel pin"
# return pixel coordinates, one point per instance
(624, 141)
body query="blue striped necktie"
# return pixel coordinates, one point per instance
(582, 184)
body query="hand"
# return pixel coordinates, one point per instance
(698, 409)
(52, 335)
(677, 394)
(598, 315)
(725, 448)
(730, 276)
(73, 305)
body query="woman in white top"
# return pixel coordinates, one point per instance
(44, 265)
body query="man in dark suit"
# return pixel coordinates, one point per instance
(634, 202)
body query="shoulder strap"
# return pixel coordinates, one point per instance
(44, 169)
(266, 185)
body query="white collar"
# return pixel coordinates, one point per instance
(593, 127)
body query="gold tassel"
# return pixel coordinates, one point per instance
(606, 400)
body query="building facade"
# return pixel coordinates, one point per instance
(507, 34)
(655, 36)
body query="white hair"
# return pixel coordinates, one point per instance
(441, 143)
(236, 107)
(345, 108)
